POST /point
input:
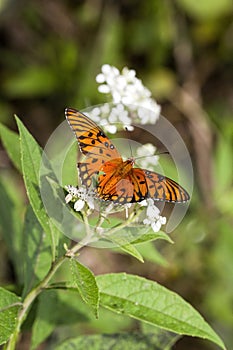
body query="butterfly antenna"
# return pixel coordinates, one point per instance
(165, 152)
(152, 155)
(129, 139)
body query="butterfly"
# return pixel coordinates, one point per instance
(117, 180)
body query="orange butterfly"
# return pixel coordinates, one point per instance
(117, 180)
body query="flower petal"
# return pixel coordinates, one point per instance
(79, 204)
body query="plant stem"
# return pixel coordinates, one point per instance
(124, 224)
(31, 296)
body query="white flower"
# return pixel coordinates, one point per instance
(127, 206)
(145, 149)
(104, 89)
(72, 192)
(119, 114)
(68, 198)
(79, 205)
(81, 196)
(112, 129)
(145, 156)
(152, 215)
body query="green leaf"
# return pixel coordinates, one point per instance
(126, 341)
(150, 253)
(125, 239)
(69, 169)
(131, 250)
(146, 251)
(55, 194)
(11, 210)
(37, 256)
(165, 339)
(150, 302)
(9, 308)
(109, 322)
(56, 307)
(124, 245)
(10, 140)
(31, 161)
(86, 284)
(152, 236)
(135, 235)
(208, 9)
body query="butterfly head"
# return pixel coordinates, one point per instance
(130, 161)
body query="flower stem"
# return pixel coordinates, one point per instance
(132, 217)
(31, 296)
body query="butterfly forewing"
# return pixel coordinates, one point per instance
(91, 138)
(93, 143)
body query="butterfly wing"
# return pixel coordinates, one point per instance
(149, 184)
(113, 181)
(136, 185)
(93, 143)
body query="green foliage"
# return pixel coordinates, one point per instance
(31, 161)
(37, 252)
(148, 301)
(11, 226)
(85, 282)
(127, 341)
(207, 9)
(127, 294)
(69, 174)
(56, 308)
(127, 242)
(135, 247)
(223, 170)
(124, 245)
(49, 57)
(150, 253)
(221, 260)
(31, 82)
(10, 305)
(10, 140)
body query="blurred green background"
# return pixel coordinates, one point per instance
(182, 50)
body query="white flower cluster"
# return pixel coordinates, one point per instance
(110, 117)
(152, 215)
(80, 196)
(132, 99)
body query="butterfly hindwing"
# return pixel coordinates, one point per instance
(138, 179)
(159, 187)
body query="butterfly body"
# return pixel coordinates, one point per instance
(114, 178)
(117, 180)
